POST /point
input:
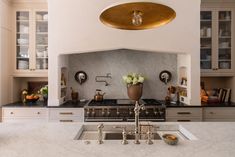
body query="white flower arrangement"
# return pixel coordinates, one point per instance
(133, 79)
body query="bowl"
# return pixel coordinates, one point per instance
(170, 139)
(32, 100)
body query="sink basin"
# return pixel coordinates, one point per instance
(118, 136)
(89, 132)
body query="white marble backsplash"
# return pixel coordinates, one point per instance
(119, 63)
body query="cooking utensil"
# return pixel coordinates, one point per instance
(98, 96)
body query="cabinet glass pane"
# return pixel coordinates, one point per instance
(42, 40)
(22, 40)
(224, 55)
(206, 40)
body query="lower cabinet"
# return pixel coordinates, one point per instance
(219, 114)
(187, 114)
(23, 114)
(66, 115)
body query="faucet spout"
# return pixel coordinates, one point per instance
(137, 125)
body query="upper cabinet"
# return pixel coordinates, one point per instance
(31, 42)
(217, 43)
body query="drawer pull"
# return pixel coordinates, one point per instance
(66, 113)
(11, 113)
(66, 120)
(38, 113)
(211, 112)
(184, 120)
(183, 112)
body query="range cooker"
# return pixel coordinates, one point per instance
(122, 110)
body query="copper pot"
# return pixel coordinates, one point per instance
(135, 91)
(98, 96)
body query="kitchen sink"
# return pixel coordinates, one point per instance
(118, 136)
(89, 132)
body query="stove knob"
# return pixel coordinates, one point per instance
(108, 112)
(146, 112)
(161, 113)
(88, 112)
(118, 113)
(103, 112)
(93, 113)
(130, 112)
(155, 112)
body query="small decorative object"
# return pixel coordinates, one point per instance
(134, 84)
(165, 76)
(170, 139)
(44, 92)
(74, 95)
(98, 96)
(63, 80)
(80, 77)
(23, 96)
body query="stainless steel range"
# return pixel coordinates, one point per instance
(122, 110)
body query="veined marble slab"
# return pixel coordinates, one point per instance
(57, 140)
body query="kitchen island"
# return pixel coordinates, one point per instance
(57, 140)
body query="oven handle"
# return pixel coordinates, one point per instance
(158, 120)
(104, 120)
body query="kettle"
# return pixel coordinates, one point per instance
(98, 96)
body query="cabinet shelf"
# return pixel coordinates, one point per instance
(34, 31)
(219, 44)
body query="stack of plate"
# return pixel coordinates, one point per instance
(22, 64)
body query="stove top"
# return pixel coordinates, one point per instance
(124, 102)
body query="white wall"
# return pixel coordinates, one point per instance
(5, 51)
(74, 27)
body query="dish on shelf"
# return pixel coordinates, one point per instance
(22, 41)
(23, 18)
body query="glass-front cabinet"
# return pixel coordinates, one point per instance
(31, 42)
(217, 54)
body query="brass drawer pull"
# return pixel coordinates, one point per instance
(66, 120)
(211, 112)
(183, 112)
(66, 113)
(184, 120)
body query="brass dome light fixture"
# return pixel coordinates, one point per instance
(137, 15)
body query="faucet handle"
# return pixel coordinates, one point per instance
(100, 126)
(149, 135)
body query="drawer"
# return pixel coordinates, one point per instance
(219, 113)
(66, 119)
(24, 112)
(184, 112)
(66, 114)
(184, 119)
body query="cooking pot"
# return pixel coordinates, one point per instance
(98, 96)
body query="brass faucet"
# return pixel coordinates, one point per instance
(137, 126)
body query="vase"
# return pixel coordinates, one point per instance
(45, 98)
(135, 91)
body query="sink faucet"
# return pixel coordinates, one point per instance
(137, 125)
(124, 134)
(100, 133)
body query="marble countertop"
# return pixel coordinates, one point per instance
(57, 140)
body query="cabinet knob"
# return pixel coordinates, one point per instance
(11, 113)
(38, 113)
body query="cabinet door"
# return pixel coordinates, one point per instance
(224, 42)
(41, 40)
(206, 40)
(22, 33)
